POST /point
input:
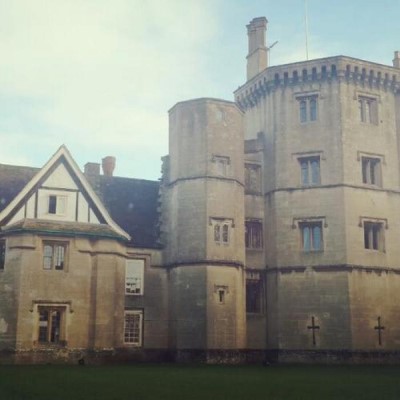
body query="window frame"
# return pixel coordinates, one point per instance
(374, 235)
(140, 325)
(133, 263)
(3, 251)
(368, 109)
(254, 234)
(310, 226)
(308, 162)
(308, 108)
(54, 204)
(222, 230)
(55, 245)
(62, 334)
(371, 170)
(254, 303)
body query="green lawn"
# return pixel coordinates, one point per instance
(140, 382)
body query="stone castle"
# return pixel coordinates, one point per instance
(272, 234)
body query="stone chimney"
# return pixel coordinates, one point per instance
(92, 169)
(108, 165)
(396, 59)
(257, 57)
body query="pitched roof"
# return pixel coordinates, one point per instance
(12, 180)
(131, 203)
(62, 155)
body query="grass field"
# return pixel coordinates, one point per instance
(143, 382)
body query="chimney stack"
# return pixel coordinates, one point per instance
(257, 58)
(108, 165)
(92, 169)
(396, 59)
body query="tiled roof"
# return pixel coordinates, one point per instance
(12, 181)
(132, 203)
(65, 228)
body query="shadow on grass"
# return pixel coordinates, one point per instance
(188, 382)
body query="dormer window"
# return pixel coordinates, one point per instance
(57, 204)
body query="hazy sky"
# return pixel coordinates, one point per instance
(100, 75)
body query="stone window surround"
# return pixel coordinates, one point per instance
(311, 115)
(221, 222)
(54, 245)
(65, 307)
(299, 222)
(382, 162)
(371, 96)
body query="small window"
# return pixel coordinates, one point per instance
(308, 108)
(2, 254)
(314, 74)
(313, 109)
(221, 230)
(134, 272)
(54, 256)
(221, 164)
(371, 171)
(221, 296)
(310, 170)
(133, 327)
(51, 321)
(57, 205)
(220, 293)
(254, 292)
(252, 178)
(374, 236)
(221, 233)
(303, 111)
(311, 236)
(225, 233)
(368, 109)
(253, 234)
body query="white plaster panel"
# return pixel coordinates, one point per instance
(60, 178)
(30, 207)
(18, 216)
(93, 218)
(83, 208)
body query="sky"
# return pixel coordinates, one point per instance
(100, 75)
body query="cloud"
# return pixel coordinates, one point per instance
(97, 74)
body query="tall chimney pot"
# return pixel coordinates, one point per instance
(108, 165)
(396, 59)
(257, 59)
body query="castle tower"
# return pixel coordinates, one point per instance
(205, 227)
(330, 183)
(257, 58)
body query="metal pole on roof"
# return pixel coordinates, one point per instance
(306, 26)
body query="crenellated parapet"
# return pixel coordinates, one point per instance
(325, 70)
